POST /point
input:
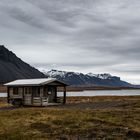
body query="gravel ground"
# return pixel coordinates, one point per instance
(87, 105)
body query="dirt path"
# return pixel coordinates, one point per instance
(87, 105)
(7, 108)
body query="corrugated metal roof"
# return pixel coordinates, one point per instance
(29, 82)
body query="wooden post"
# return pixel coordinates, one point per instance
(23, 95)
(32, 96)
(44, 95)
(64, 98)
(8, 95)
(55, 95)
(41, 95)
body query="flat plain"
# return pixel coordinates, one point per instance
(82, 118)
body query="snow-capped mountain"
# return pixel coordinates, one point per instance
(101, 76)
(76, 79)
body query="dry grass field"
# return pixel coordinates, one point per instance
(82, 118)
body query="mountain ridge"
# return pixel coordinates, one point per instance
(12, 67)
(89, 79)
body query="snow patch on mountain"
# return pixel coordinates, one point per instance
(101, 76)
(54, 73)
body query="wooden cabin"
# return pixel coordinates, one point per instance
(36, 92)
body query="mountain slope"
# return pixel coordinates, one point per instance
(90, 79)
(12, 67)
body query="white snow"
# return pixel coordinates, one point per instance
(62, 74)
(104, 76)
(91, 74)
(54, 73)
(101, 76)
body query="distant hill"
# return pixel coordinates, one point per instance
(90, 79)
(12, 67)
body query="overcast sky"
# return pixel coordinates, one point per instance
(99, 36)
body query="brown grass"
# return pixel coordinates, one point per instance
(3, 102)
(57, 123)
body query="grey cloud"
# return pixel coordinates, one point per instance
(85, 35)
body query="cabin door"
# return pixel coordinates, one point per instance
(51, 94)
(27, 96)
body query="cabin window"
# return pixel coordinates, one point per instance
(20, 91)
(50, 90)
(36, 92)
(11, 90)
(15, 91)
(45, 92)
(28, 91)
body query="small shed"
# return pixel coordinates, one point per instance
(36, 92)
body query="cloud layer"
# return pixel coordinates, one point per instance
(80, 35)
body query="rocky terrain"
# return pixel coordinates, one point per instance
(12, 67)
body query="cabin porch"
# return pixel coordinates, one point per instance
(36, 95)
